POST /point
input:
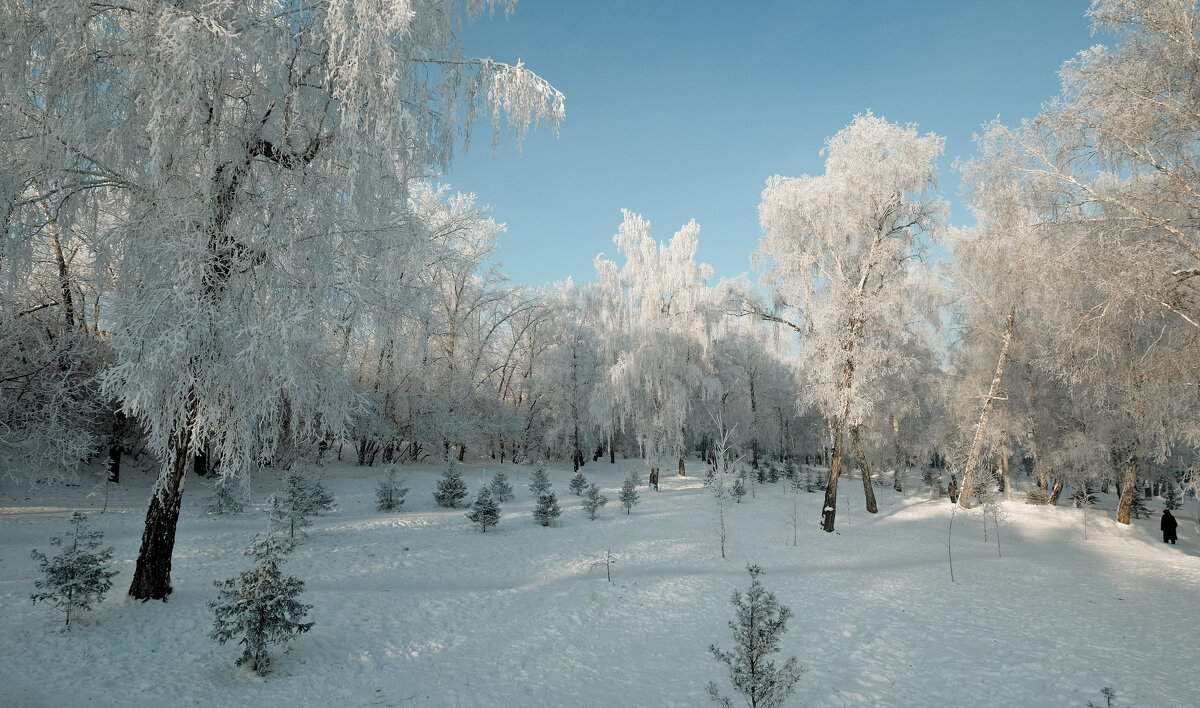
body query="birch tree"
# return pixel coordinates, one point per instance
(660, 309)
(837, 251)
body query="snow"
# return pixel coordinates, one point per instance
(418, 608)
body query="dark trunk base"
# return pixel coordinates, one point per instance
(152, 576)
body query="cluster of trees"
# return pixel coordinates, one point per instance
(224, 247)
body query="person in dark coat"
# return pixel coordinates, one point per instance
(1168, 526)
(953, 489)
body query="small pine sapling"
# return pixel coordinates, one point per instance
(76, 579)
(1138, 508)
(593, 500)
(578, 483)
(286, 513)
(306, 494)
(1172, 499)
(547, 509)
(104, 490)
(389, 495)
(539, 481)
(738, 489)
(629, 493)
(502, 491)
(757, 630)
(451, 489)
(259, 606)
(224, 500)
(486, 513)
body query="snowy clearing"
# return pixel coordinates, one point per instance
(418, 608)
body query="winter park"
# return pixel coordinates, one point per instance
(310, 397)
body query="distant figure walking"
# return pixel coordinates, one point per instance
(1168, 526)
(953, 489)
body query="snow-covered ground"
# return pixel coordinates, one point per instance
(418, 608)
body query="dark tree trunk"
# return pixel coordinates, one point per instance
(868, 488)
(829, 510)
(152, 576)
(682, 470)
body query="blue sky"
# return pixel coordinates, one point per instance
(681, 110)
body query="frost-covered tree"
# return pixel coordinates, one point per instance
(578, 483)
(75, 580)
(485, 513)
(226, 498)
(757, 631)
(241, 165)
(451, 489)
(629, 493)
(539, 481)
(593, 500)
(502, 491)
(389, 494)
(839, 251)
(654, 320)
(546, 508)
(259, 607)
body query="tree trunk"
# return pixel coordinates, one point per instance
(829, 510)
(968, 484)
(897, 474)
(1057, 491)
(868, 488)
(1124, 508)
(152, 576)
(1005, 477)
(682, 469)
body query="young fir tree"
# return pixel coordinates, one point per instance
(1085, 493)
(502, 491)
(578, 483)
(389, 495)
(757, 629)
(259, 606)
(738, 490)
(629, 492)
(593, 500)
(486, 513)
(539, 481)
(1138, 508)
(224, 499)
(450, 488)
(306, 493)
(287, 513)
(547, 509)
(1172, 500)
(75, 580)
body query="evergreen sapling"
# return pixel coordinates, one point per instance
(502, 491)
(486, 513)
(1172, 500)
(547, 509)
(593, 500)
(224, 500)
(259, 606)
(451, 489)
(286, 513)
(75, 580)
(757, 630)
(629, 493)
(539, 481)
(578, 483)
(389, 495)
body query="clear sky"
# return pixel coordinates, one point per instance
(681, 109)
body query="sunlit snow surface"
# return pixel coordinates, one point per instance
(419, 609)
